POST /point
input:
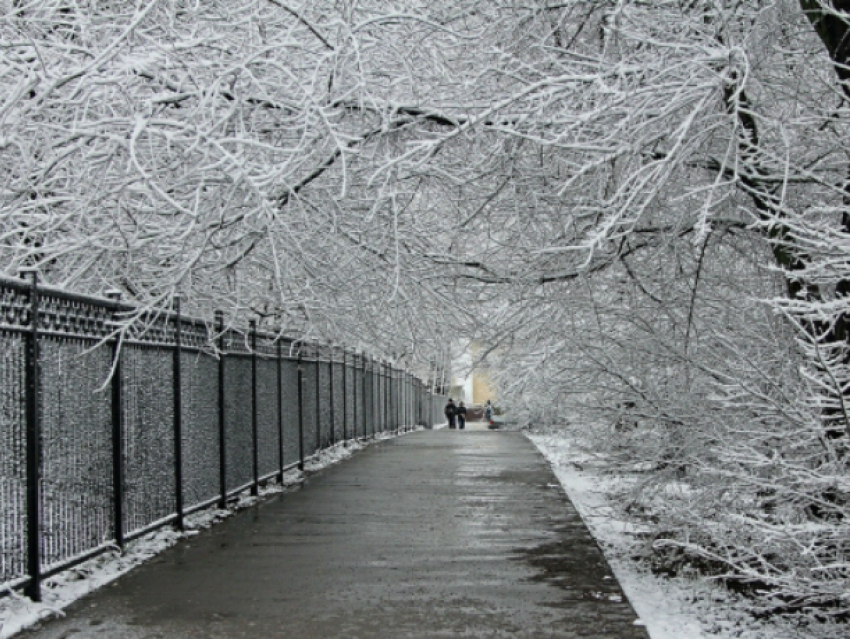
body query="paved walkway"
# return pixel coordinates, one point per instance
(434, 534)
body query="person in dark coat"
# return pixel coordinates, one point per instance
(450, 411)
(461, 416)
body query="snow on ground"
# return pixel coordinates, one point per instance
(18, 612)
(670, 608)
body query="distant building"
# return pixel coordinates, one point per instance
(471, 385)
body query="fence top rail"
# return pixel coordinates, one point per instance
(71, 314)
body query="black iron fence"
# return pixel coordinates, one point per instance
(106, 434)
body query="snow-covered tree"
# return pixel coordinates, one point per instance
(641, 207)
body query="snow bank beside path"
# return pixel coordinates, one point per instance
(18, 612)
(670, 608)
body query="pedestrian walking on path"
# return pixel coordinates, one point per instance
(450, 412)
(432, 534)
(461, 416)
(488, 414)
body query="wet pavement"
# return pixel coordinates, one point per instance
(435, 534)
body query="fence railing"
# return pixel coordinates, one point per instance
(106, 434)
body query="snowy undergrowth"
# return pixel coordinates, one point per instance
(18, 612)
(682, 607)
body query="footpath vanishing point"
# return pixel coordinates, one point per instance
(433, 534)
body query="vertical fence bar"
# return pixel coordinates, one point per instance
(432, 409)
(318, 399)
(354, 393)
(255, 443)
(393, 396)
(384, 414)
(222, 435)
(379, 397)
(392, 404)
(300, 408)
(178, 414)
(344, 399)
(386, 370)
(372, 371)
(363, 398)
(383, 396)
(280, 450)
(116, 388)
(333, 399)
(33, 444)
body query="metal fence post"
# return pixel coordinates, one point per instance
(363, 408)
(255, 448)
(375, 396)
(332, 437)
(376, 374)
(222, 436)
(318, 400)
(382, 394)
(178, 413)
(392, 399)
(300, 410)
(432, 408)
(372, 402)
(386, 369)
(117, 431)
(354, 394)
(363, 393)
(33, 444)
(281, 455)
(344, 399)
